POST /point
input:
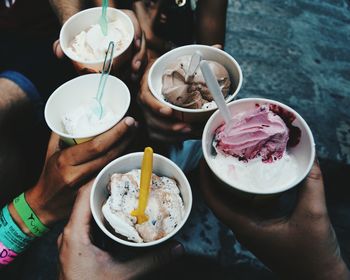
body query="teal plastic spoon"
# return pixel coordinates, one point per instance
(107, 65)
(103, 18)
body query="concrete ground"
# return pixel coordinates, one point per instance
(293, 51)
(298, 52)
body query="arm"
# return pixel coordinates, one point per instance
(64, 9)
(211, 26)
(147, 17)
(52, 197)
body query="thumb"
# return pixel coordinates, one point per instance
(311, 197)
(53, 145)
(156, 259)
(57, 50)
(80, 218)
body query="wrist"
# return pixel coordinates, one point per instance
(152, 56)
(332, 270)
(28, 216)
(39, 207)
(19, 222)
(338, 271)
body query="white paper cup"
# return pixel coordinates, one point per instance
(161, 167)
(304, 151)
(208, 53)
(82, 21)
(75, 92)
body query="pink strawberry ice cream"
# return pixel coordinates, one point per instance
(256, 133)
(253, 152)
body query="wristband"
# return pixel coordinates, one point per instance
(36, 227)
(6, 255)
(11, 236)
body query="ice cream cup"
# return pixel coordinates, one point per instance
(161, 166)
(208, 53)
(74, 92)
(83, 21)
(303, 152)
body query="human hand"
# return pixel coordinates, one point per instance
(139, 60)
(139, 50)
(80, 259)
(160, 120)
(302, 246)
(148, 13)
(65, 170)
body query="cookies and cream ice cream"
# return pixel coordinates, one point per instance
(165, 208)
(85, 119)
(192, 93)
(252, 151)
(91, 44)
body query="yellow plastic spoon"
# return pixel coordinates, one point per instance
(145, 182)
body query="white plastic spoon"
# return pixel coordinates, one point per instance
(215, 90)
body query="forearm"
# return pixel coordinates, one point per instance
(211, 24)
(64, 9)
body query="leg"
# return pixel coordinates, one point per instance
(12, 100)
(15, 107)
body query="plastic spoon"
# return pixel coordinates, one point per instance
(145, 182)
(103, 18)
(215, 90)
(192, 67)
(107, 65)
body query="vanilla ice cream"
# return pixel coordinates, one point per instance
(192, 93)
(91, 44)
(256, 175)
(252, 152)
(165, 208)
(85, 119)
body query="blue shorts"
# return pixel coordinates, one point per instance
(187, 155)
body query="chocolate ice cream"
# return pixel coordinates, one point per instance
(193, 93)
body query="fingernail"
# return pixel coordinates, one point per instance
(165, 111)
(186, 130)
(138, 43)
(137, 64)
(129, 121)
(177, 251)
